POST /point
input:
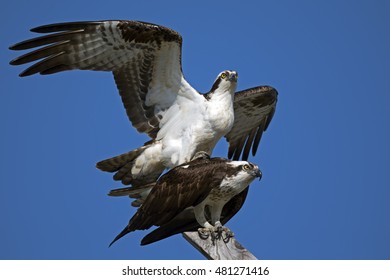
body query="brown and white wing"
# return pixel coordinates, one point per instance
(145, 59)
(186, 221)
(253, 112)
(182, 187)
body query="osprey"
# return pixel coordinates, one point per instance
(145, 60)
(203, 184)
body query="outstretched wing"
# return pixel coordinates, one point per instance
(253, 112)
(145, 59)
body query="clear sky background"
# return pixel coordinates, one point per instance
(325, 192)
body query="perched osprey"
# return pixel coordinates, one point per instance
(203, 184)
(146, 62)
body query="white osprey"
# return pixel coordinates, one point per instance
(202, 186)
(146, 62)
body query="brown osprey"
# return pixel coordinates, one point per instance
(204, 185)
(145, 60)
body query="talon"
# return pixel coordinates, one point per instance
(204, 233)
(218, 232)
(214, 236)
(228, 234)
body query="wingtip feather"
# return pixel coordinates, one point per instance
(120, 235)
(56, 27)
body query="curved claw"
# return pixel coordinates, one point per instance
(204, 233)
(228, 234)
(218, 232)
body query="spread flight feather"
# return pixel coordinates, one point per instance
(145, 60)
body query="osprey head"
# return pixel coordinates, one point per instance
(246, 171)
(252, 170)
(226, 81)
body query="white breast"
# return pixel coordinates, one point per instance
(220, 114)
(195, 126)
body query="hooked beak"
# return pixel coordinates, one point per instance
(257, 173)
(233, 77)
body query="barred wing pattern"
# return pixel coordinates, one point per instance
(253, 112)
(144, 58)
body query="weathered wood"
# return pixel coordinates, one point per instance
(220, 250)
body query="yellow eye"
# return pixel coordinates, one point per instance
(223, 75)
(246, 167)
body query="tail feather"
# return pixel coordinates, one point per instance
(135, 167)
(116, 163)
(139, 193)
(133, 192)
(122, 174)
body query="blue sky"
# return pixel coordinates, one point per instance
(325, 190)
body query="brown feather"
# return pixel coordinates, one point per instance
(183, 186)
(129, 49)
(186, 221)
(253, 111)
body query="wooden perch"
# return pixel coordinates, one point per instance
(220, 250)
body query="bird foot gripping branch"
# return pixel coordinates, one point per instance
(216, 233)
